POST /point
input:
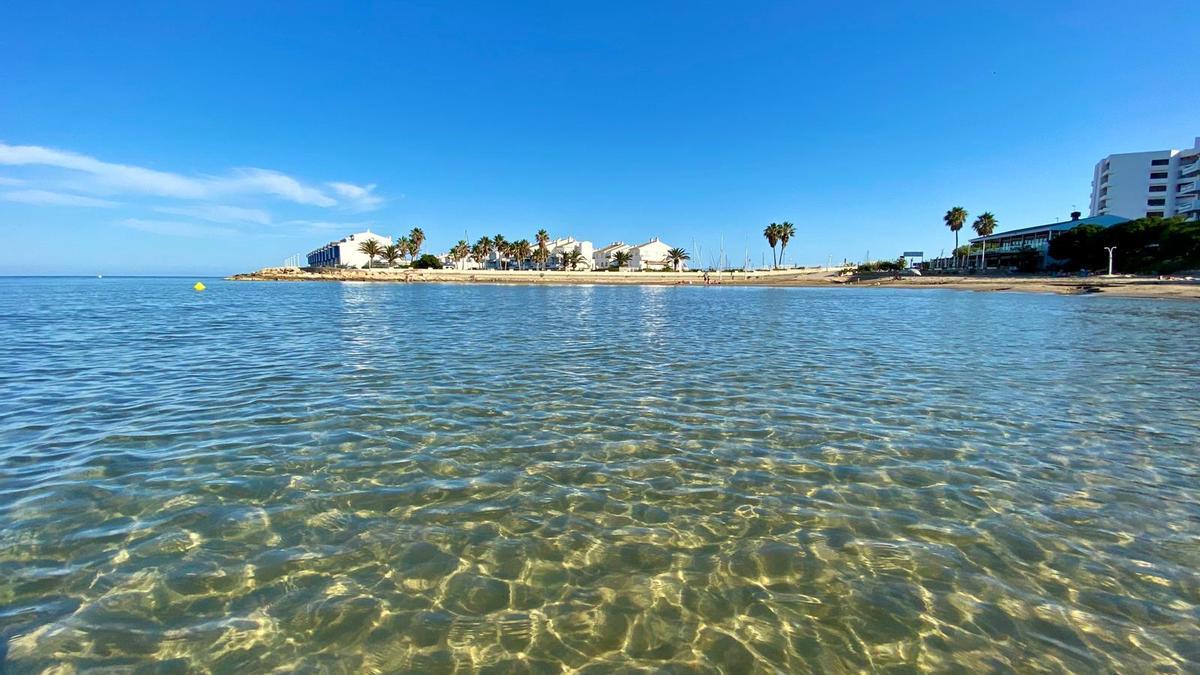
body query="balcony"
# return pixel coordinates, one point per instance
(1184, 207)
(1188, 169)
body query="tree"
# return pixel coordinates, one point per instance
(542, 238)
(460, 252)
(622, 258)
(772, 235)
(371, 249)
(1145, 245)
(415, 239)
(500, 245)
(955, 218)
(404, 245)
(572, 258)
(540, 256)
(522, 250)
(391, 253)
(676, 256)
(984, 226)
(786, 232)
(428, 261)
(481, 250)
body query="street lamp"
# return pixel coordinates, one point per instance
(1110, 250)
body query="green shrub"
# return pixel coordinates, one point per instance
(427, 262)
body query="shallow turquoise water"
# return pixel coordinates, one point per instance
(387, 478)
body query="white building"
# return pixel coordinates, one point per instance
(603, 258)
(1138, 184)
(651, 255)
(344, 252)
(559, 247)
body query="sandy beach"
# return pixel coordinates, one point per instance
(1139, 287)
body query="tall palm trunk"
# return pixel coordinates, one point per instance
(956, 249)
(983, 257)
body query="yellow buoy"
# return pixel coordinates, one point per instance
(199, 286)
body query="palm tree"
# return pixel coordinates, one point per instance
(677, 256)
(622, 258)
(542, 238)
(572, 258)
(482, 249)
(415, 239)
(540, 256)
(955, 218)
(786, 232)
(371, 249)
(984, 225)
(403, 244)
(772, 235)
(522, 250)
(500, 245)
(391, 253)
(460, 251)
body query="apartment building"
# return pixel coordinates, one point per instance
(1161, 183)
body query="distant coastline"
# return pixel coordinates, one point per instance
(1138, 287)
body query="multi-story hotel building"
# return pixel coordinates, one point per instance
(344, 252)
(1163, 183)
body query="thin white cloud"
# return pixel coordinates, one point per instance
(219, 213)
(48, 198)
(5, 180)
(173, 228)
(112, 177)
(361, 198)
(323, 225)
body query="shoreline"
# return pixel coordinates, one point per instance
(1134, 287)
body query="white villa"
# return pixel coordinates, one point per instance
(558, 247)
(602, 259)
(344, 252)
(651, 255)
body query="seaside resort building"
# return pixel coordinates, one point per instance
(604, 257)
(560, 247)
(651, 255)
(1162, 183)
(344, 252)
(1007, 249)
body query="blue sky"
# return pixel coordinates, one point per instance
(217, 137)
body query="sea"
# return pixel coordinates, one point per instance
(331, 477)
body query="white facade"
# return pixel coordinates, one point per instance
(651, 255)
(344, 252)
(1138, 184)
(602, 259)
(558, 247)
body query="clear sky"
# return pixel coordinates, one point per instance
(217, 137)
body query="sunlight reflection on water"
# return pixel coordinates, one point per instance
(388, 478)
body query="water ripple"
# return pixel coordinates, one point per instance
(421, 478)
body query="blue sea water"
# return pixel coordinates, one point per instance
(342, 477)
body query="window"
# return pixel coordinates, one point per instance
(1158, 188)
(1103, 191)
(1103, 203)
(1158, 174)
(1185, 187)
(1155, 202)
(1159, 162)
(1154, 214)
